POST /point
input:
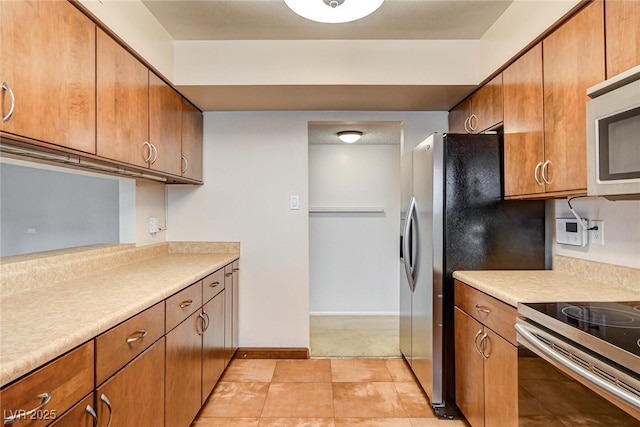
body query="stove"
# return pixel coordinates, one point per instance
(611, 329)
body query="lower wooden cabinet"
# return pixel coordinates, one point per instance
(135, 395)
(486, 363)
(184, 371)
(213, 344)
(78, 416)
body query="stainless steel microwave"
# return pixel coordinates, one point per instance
(613, 137)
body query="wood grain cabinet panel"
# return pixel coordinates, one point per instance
(212, 285)
(573, 62)
(165, 126)
(123, 104)
(192, 134)
(182, 304)
(48, 61)
(523, 124)
(486, 363)
(480, 112)
(212, 344)
(77, 416)
(622, 35)
(183, 372)
(121, 344)
(66, 380)
(459, 115)
(136, 393)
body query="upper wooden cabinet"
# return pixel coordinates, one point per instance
(191, 141)
(165, 126)
(480, 112)
(48, 65)
(573, 62)
(523, 139)
(622, 35)
(545, 123)
(123, 104)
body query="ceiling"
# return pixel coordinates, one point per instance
(373, 133)
(273, 20)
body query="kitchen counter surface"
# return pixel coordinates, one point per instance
(42, 323)
(513, 286)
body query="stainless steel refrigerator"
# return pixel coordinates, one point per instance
(454, 218)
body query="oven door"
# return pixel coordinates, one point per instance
(557, 385)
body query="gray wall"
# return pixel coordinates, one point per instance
(64, 209)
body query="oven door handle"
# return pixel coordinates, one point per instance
(526, 333)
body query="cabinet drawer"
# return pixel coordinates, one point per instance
(212, 285)
(116, 347)
(183, 304)
(77, 416)
(495, 314)
(65, 381)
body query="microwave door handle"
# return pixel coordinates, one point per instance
(529, 338)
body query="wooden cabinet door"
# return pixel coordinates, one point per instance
(123, 104)
(470, 394)
(235, 330)
(523, 124)
(135, 393)
(622, 35)
(486, 106)
(183, 372)
(191, 141)
(573, 62)
(48, 61)
(212, 344)
(458, 117)
(77, 416)
(165, 126)
(500, 381)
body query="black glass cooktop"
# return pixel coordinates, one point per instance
(617, 323)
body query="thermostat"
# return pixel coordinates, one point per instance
(569, 231)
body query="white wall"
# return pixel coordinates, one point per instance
(253, 162)
(353, 265)
(150, 202)
(621, 230)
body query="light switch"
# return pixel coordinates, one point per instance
(294, 202)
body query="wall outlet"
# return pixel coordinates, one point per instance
(153, 225)
(596, 237)
(294, 202)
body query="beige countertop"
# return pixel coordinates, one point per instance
(516, 286)
(41, 323)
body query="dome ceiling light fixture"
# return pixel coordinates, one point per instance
(333, 11)
(349, 136)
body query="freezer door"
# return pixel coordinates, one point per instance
(422, 303)
(406, 192)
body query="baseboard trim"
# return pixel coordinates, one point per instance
(272, 353)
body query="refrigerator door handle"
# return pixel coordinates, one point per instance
(407, 243)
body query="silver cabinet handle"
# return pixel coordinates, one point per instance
(535, 174)
(187, 303)
(471, 125)
(104, 399)
(207, 320)
(89, 410)
(186, 164)
(475, 341)
(483, 309)
(201, 330)
(235, 270)
(228, 274)
(214, 284)
(6, 118)
(466, 124)
(482, 346)
(155, 153)
(544, 172)
(46, 397)
(148, 157)
(138, 335)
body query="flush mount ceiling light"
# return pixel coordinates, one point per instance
(333, 11)
(349, 136)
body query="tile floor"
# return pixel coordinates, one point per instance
(319, 393)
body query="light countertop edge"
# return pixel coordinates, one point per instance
(515, 286)
(35, 330)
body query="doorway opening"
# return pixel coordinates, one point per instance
(354, 217)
